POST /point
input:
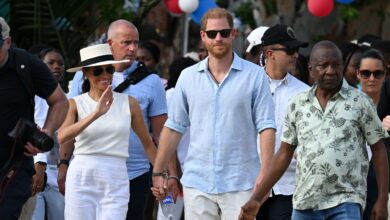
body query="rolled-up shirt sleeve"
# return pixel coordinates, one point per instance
(263, 106)
(40, 157)
(178, 113)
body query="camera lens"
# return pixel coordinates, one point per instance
(41, 141)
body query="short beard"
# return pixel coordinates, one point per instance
(219, 54)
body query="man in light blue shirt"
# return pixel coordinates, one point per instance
(227, 102)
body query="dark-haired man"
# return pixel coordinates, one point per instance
(280, 52)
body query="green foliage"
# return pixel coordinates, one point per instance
(348, 12)
(68, 25)
(271, 7)
(222, 3)
(112, 10)
(244, 12)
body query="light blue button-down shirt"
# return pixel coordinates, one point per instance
(225, 120)
(150, 95)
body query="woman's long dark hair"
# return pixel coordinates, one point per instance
(374, 54)
(86, 86)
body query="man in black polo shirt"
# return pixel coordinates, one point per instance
(15, 104)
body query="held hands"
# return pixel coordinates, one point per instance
(169, 185)
(160, 186)
(173, 187)
(105, 102)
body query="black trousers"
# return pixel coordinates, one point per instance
(277, 207)
(139, 194)
(17, 191)
(372, 192)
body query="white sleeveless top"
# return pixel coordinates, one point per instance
(110, 133)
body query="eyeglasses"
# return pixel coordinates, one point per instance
(97, 71)
(378, 74)
(289, 51)
(213, 33)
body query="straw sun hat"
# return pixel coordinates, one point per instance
(96, 55)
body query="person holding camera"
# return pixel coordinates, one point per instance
(22, 76)
(99, 120)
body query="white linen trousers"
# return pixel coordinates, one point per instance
(96, 187)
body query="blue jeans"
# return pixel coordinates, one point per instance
(51, 203)
(344, 211)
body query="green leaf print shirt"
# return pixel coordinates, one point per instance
(332, 161)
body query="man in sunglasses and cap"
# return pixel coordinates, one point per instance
(328, 128)
(16, 164)
(226, 101)
(279, 55)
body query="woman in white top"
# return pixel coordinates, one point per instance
(99, 120)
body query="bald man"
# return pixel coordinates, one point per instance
(332, 122)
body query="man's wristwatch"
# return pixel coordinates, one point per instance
(66, 162)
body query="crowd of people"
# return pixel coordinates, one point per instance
(269, 135)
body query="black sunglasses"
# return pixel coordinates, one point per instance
(378, 74)
(289, 51)
(213, 33)
(99, 70)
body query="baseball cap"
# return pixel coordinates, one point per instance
(4, 30)
(282, 34)
(254, 37)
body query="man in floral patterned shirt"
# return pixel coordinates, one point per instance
(331, 123)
